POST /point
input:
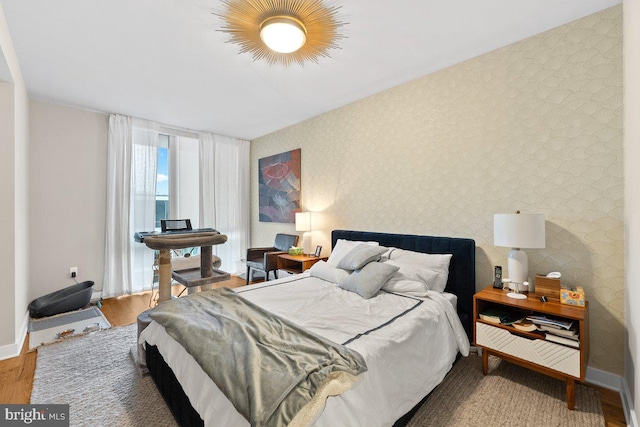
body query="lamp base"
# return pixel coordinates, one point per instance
(306, 243)
(517, 265)
(516, 296)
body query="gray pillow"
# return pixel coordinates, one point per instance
(360, 256)
(328, 272)
(368, 281)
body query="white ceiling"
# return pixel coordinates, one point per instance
(163, 60)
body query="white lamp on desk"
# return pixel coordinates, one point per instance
(303, 223)
(518, 231)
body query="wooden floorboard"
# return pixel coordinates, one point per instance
(16, 374)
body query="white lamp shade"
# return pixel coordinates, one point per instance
(303, 221)
(519, 230)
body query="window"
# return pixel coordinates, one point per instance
(162, 181)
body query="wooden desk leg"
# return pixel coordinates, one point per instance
(571, 393)
(485, 361)
(164, 285)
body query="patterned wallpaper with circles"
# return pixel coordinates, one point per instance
(534, 126)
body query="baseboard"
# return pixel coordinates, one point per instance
(603, 379)
(96, 296)
(627, 405)
(12, 350)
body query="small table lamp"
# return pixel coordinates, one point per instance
(517, 231)
(303, 223)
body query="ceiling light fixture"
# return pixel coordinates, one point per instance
(283, 34)
(282, 31)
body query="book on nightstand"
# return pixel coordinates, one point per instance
(562, 340)
(524, 325)
(499, 316)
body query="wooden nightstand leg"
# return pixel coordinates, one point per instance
(571, 393)
(485, 361)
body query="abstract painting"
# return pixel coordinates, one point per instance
(279, 187)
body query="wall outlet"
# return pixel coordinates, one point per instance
(73, 272)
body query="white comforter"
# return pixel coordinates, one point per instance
(409, 345)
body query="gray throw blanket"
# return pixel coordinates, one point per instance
(268, 367)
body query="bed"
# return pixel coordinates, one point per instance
(392, 389)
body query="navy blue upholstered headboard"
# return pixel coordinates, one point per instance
(462, 270)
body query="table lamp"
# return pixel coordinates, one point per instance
(303, 223)
(517, 231)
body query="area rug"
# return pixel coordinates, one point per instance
(96, 377)
(509, 395)
(46, 330)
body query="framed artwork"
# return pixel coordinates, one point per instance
(279, 187)
(318, 250)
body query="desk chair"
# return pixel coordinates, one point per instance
(266, 259)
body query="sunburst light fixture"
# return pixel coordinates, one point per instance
(282, 31)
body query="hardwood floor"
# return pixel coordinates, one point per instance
(16, 374)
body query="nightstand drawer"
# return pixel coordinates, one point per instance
(544, 353)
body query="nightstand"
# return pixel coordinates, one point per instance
(531, 349)
(297, 263)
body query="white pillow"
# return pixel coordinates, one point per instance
(435, 280)
(343, 247)
(406, 280)
(401, 285)
(423, 279)
(407, 271)
(386, 255)
(438, 263)
(330, 273)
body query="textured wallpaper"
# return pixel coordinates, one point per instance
(534, 126)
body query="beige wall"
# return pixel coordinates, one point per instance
(15, 203)
(632, 201)
(68, 196)
(7, 212)
(535, 126)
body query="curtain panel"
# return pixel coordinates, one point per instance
(117, 268)
(224, 195)
(132, 152)
(142, 214)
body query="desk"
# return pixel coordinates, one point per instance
(206, 274)
(297, 263)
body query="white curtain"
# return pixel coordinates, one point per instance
(142, 215)
(224, 195)
(131, 185)
(117, 268)
(184, 179)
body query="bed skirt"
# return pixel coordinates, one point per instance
(171, 390)
(178, 402)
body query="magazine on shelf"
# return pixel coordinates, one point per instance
(568, 333)
(562, 340)
(551, 322)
